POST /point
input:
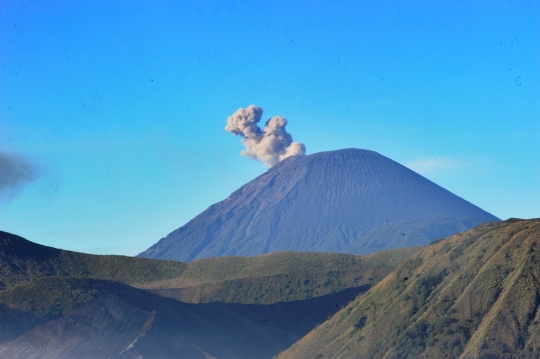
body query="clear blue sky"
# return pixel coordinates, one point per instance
(120, 106)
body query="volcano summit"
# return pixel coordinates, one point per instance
(352, 201)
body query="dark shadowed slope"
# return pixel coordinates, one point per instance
(274, 277)
(87, 318)
(23, 261)
(352, 201)
(54, 306)
(472, 295)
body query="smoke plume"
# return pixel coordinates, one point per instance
(269, 145)
(15, 172)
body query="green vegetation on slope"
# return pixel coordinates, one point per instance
(38, 302)
(472, 295)
(23, 261)
(53, 295)
(275, 277)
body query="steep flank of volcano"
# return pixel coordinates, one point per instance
(353, 201)
(473, 295)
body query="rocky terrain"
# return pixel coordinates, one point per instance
(472, 295)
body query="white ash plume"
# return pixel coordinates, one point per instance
(270, 145)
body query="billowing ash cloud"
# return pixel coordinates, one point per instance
(15, 172)
(269, 145)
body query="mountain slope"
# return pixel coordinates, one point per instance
(472, 295)
(23, 261)
(275, 277)
(62, 317)
(326, 202)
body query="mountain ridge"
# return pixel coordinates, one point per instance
(274, 277)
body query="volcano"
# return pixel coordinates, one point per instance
(351, 201)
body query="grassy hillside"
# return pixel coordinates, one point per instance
(62, 317)
(472, 295)
(271, 278)
(31, 304)
(275, 277)
(23, 261)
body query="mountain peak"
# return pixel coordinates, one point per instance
(351, 200)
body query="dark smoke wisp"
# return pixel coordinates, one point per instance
(268, 145)
(15, 172)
